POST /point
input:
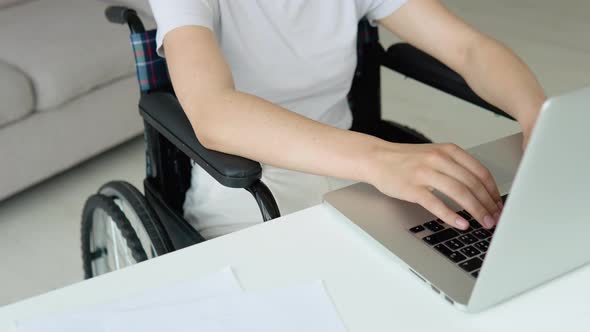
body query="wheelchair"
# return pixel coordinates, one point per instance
(121, 226)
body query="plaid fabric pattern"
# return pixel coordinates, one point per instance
(152, 72)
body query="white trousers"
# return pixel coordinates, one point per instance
(214, 210)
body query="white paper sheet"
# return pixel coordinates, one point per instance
(302, 308)
(91, 319)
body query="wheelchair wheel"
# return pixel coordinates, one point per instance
(119, 229)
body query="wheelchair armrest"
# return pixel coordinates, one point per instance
(413, 63)
(163, 112)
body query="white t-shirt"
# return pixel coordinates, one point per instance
(299, 54)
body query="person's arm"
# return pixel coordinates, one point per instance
(233, 122)
(241, 124)
(492, 70)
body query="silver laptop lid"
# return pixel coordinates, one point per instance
(543, 232)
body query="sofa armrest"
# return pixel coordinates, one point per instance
(163, 111)
(413, 63)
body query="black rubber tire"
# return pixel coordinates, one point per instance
(107, 204)
(125, 191)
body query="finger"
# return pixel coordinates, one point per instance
(435, 206)
(477, 168)
(458, 192)
(451, 168)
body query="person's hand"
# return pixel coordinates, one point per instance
(412, 172)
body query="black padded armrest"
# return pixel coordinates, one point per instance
(411, 62)
(163, 112)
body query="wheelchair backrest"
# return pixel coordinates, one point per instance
(151, 69)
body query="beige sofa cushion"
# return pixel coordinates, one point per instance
(66, 47)
(16, 94)
(6, 3)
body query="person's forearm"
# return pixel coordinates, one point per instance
(248, 126)
(229, 121)
(496, 74)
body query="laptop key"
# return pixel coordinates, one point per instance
(482, 234)
(417, 229)
(470, 251)
(433, 226)
(482, 256)
(475, 274)
(482, 245)
(457, 257)
(474, 223)
(468, 230)
(464, 214)
(468, 239)
(443, 249)
(454, 256)
(441, 236)
(471, 265)
(454, 244)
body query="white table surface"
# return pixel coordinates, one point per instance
(370, 290)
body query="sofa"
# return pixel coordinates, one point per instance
(67, 88)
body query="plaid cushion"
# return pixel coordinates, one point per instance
(152, 72)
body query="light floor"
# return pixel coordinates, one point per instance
(39, 228)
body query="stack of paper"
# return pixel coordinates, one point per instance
(213, 303)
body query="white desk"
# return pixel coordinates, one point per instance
(370, 290)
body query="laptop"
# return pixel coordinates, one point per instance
(543, 232)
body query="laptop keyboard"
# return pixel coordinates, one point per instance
(466, 248)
